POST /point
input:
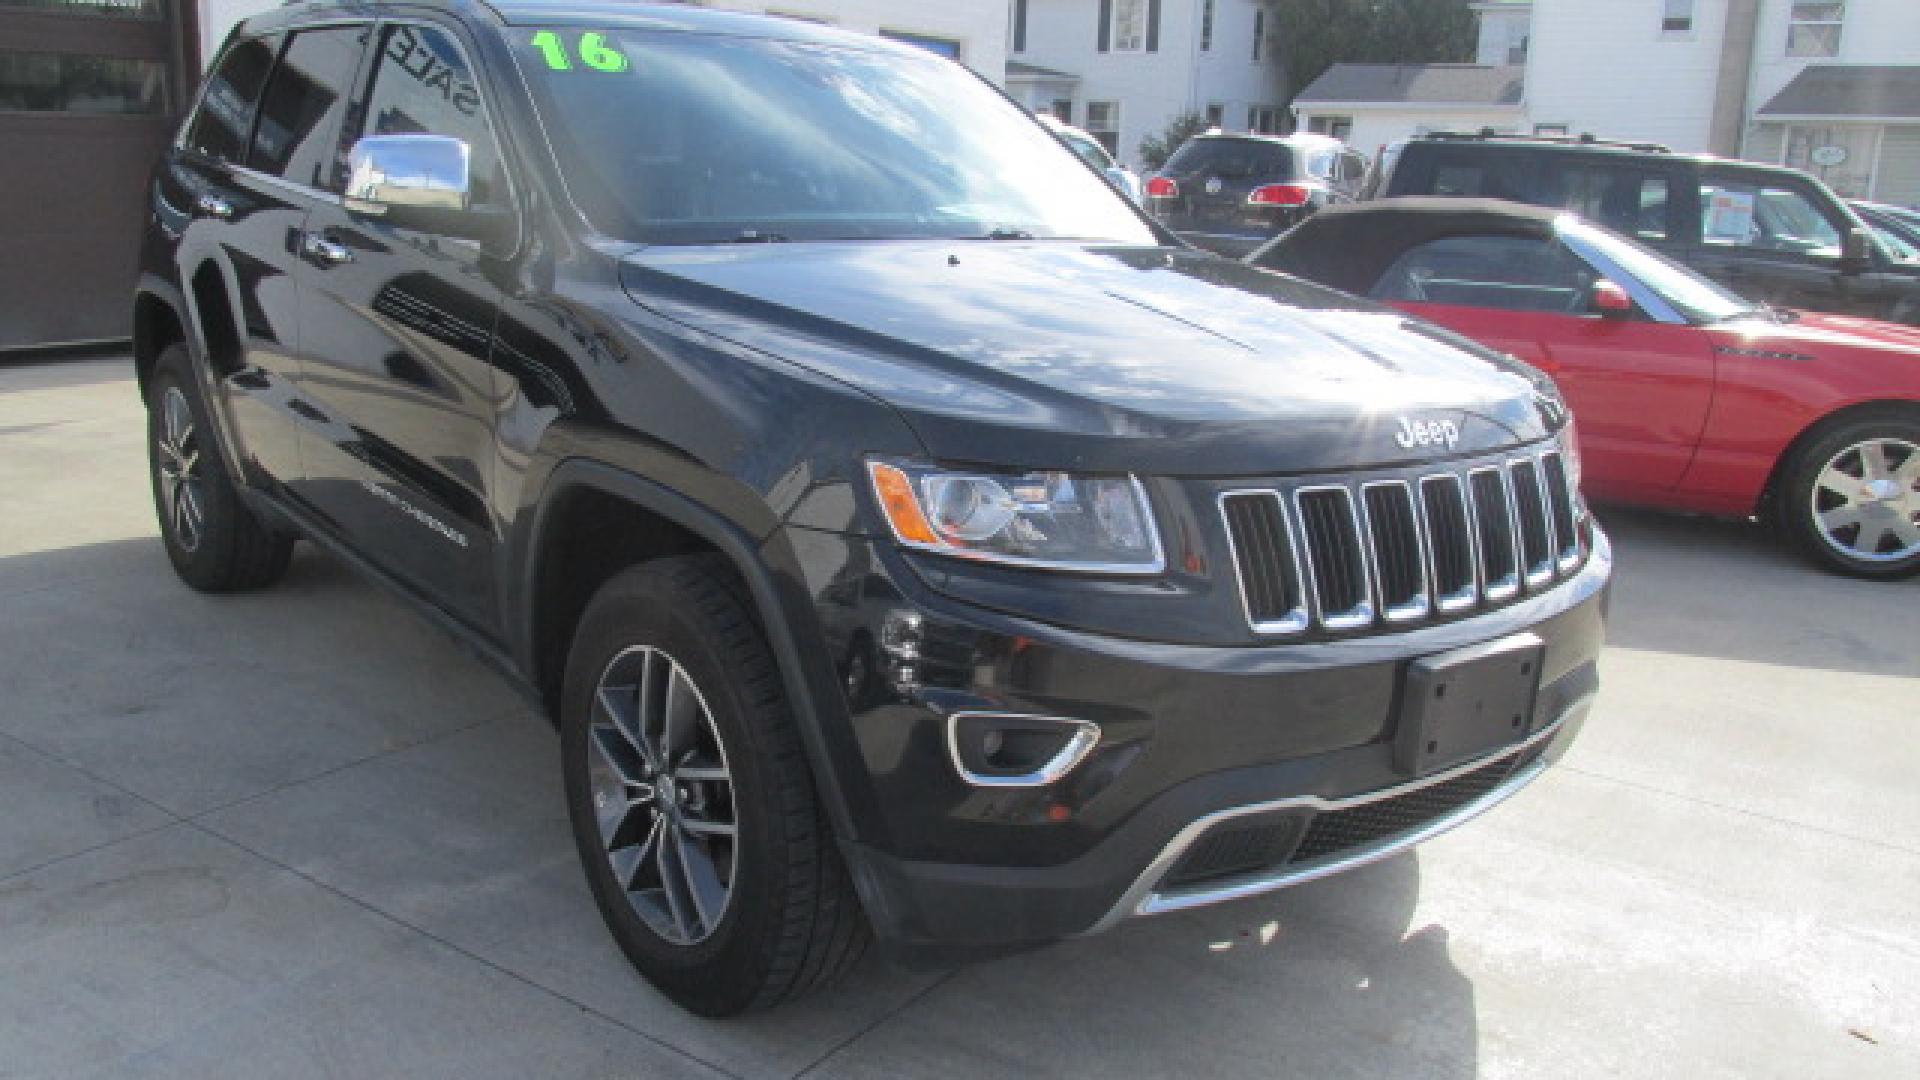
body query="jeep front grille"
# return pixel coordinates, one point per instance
(1403, 549)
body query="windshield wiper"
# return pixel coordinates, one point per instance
(1004, 234)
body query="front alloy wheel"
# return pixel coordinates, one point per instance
(1866, 501)
(662, 795)
(1851, 495)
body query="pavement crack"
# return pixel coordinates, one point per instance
(1741, 810)
(915, 999)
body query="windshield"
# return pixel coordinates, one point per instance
(1232, 158)
(1695, 297)
(676, 138)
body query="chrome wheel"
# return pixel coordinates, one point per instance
(183, 495)
(1866, 501)
(662, 795)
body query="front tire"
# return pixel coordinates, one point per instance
(213, 539)
(692, 804)
(1851, 497)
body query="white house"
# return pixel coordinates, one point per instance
(1830, 86)
(1371, 105)
(1123, 69)
(972, 31)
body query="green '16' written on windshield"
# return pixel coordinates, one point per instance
(592, 49)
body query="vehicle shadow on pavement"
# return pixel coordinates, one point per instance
(1326, 979)
(1733, 590)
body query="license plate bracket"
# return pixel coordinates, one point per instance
(1464, 703)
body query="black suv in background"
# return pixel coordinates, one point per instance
(909, 539)
(1229, 193)
(1768, 233)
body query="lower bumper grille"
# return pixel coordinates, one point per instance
(1284, 840)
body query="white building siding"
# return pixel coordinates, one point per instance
(979, 26)
(1899, 176)
(1503, 36)
(1607, 68)
(1152, 88)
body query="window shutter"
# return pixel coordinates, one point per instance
(1019, 25)
(1153, 25)
(1106, 25)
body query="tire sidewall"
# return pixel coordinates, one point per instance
(174, 369)
(641, 608)
(1795, 507)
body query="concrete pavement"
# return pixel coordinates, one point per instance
(299, 833)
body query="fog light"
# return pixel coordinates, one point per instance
(1017, 749)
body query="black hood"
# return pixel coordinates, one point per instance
(1050, 354)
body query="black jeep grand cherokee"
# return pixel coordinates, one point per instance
(909, 539)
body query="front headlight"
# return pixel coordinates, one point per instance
(1055, 520)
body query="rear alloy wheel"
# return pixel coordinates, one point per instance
(1853, 498)
(214, 540)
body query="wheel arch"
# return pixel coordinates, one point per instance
(159, 322)
(1906, 408)
(595, 519)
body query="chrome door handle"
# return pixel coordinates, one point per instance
(214, 206)
(321, 249)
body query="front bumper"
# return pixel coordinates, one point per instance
(1221, 772)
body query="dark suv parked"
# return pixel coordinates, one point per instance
(1768, 233)
(1230, 193)
(907, 538)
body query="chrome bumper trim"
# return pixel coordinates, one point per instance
(1143, 899)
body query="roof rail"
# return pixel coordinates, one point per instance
(1583, 139)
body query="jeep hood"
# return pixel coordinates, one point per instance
(1053, 354)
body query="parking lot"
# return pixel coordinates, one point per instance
(299, 833)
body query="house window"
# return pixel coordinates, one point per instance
(1103, 123)
(1019, 35)
(1129, 25)
(1338, 127)
(1679, 17)
(1206, 26)
(1813, 28)
(1263, 121)
(1063, 110)
(1216, 114)
(1259, 33)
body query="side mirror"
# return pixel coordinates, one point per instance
(1856, 251)
(1610, 301)
(420, 182)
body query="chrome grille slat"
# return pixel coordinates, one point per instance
(1397, 550)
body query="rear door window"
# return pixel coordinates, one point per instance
(1621, 196)
(1512, 273)
(219, 129)
(297, 136)
(1776, 218)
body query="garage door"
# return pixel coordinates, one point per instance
(89, 92)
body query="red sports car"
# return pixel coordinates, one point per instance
(1685, 395)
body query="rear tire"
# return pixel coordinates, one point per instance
(674, 724)
(214, 540)
(1850, 498)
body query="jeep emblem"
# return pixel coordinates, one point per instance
(1414, 433)
(1214, 185)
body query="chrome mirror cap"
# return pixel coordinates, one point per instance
(426, 172)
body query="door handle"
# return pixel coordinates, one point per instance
(214, 206)
(327, 252)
